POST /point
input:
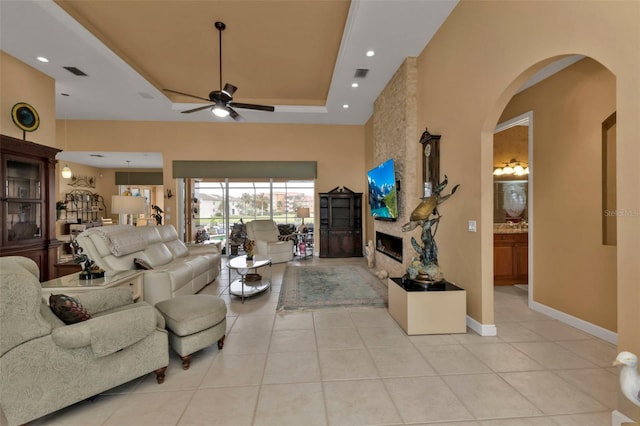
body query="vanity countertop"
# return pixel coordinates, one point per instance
(510, 228)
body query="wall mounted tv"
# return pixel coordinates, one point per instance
(383, 197)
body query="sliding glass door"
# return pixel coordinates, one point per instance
(218, 209)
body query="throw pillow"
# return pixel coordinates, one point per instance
(142, 264)
(68, 309)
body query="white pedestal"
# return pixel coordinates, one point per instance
(441, 309)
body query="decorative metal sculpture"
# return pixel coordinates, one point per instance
(424, 268)
(157, 214)
(89, 269)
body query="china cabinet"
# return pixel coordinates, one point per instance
(340, 223)
(27, 206)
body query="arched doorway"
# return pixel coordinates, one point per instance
(575, 273)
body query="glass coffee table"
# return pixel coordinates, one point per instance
(243, 267)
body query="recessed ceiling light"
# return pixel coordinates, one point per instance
(345, 106)
(370, 53)
(42, 59)
(354, 84)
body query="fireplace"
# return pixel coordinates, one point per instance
(389, 245)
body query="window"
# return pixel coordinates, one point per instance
(219, 204)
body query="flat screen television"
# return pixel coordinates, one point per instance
(383, 192)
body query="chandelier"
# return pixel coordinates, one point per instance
(513, 167)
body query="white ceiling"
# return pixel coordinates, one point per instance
(395, 29)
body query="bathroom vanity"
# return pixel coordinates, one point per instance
(510, 255)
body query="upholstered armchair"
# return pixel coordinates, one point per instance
(46, 365)
(266, 236)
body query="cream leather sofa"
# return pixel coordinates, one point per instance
(177, 269)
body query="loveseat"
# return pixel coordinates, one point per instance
(176, 268)
(46, 365)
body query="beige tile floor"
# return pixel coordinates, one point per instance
(357, 367)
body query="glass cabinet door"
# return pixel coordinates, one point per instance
(340, 212)
(24, 198)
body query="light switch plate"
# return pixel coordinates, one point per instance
(472, 226)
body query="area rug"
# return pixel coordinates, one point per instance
(316, 287)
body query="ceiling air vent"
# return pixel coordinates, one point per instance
(76, 71)
(361, 73)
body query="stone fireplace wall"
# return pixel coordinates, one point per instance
(396, 135)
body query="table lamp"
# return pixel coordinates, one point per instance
(302, 212)
(127, 205)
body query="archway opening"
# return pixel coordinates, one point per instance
(572, 273)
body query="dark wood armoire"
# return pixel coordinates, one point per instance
(340, 223)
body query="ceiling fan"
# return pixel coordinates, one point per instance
(222, 99)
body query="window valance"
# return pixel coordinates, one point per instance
(245, 169)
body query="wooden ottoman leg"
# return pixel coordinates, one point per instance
(221, 343)
(186, 361)
(160, 375)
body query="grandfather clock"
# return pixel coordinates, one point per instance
(430, 161)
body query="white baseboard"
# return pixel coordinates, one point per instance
(484, 330)
(587, 327)
(618, 419)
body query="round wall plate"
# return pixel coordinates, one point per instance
(25, 116)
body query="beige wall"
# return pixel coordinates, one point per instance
(467, 74)
(21, 83)
(569, 257)
(338, 150)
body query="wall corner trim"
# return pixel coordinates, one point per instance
(484, 330)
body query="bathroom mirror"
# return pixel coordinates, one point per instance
(510, 201)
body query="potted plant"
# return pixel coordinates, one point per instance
(60, 206)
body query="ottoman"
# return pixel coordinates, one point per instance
(194, 322)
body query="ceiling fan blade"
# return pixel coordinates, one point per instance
(196, 109)
(252, 106)
(185, 94)
(230, 89)
(234, 114)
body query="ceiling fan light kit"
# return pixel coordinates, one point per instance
(219, 111)
(222, 100)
